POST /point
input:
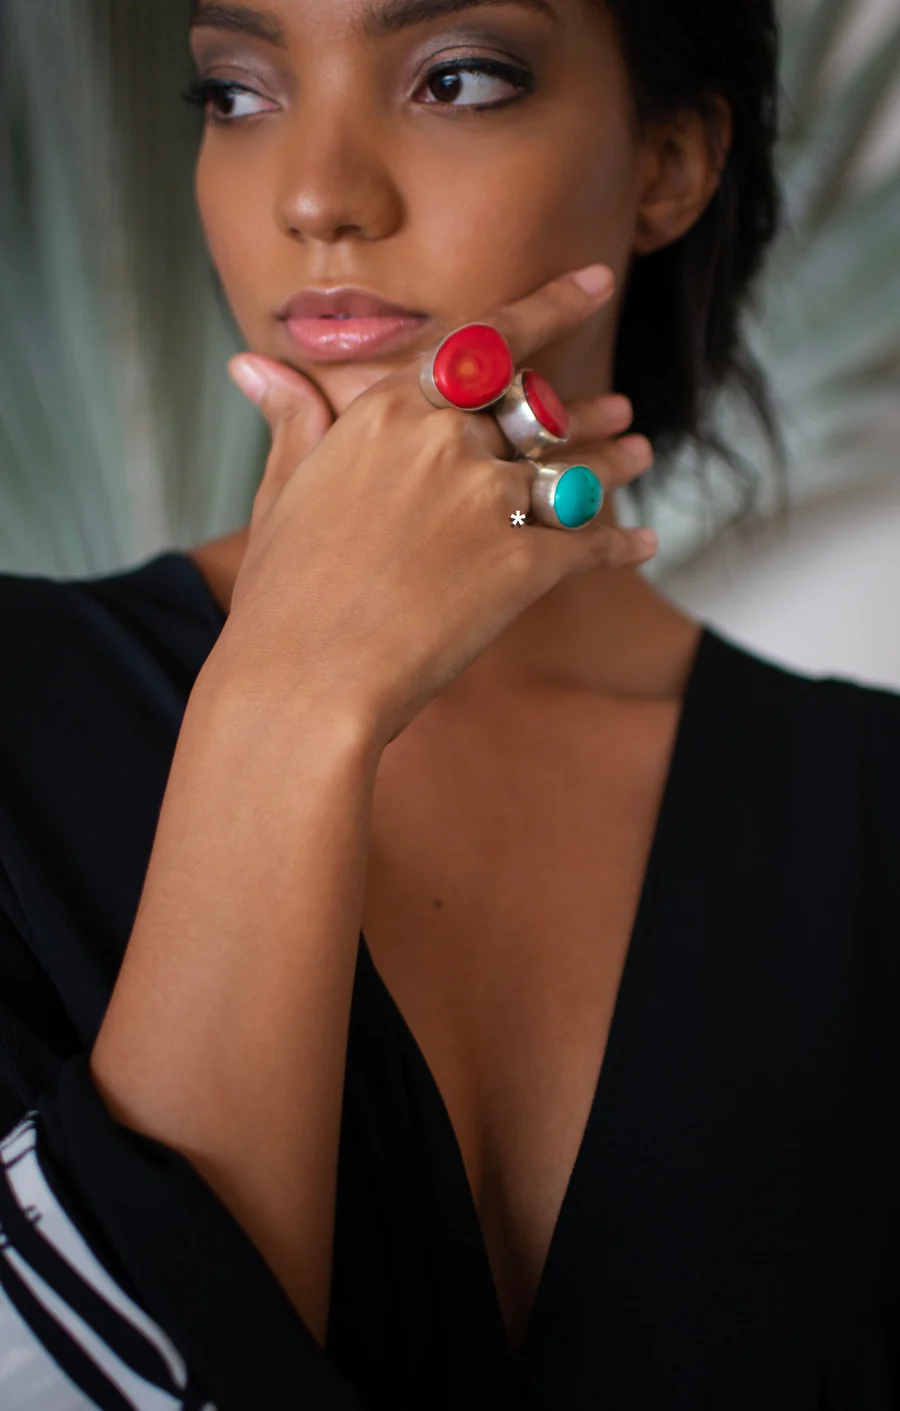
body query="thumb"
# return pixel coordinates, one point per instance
(297, 413)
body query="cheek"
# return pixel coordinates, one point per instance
(548, 201)
(231, 204)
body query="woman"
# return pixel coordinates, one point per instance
(436, 971)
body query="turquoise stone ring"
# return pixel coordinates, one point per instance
(566, 496)
(578, 497)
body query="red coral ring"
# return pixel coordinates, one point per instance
(471, 369)
(532, 416)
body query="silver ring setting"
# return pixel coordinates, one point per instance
(566, 496)
(531, 416)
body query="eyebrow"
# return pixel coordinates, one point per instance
(381, 20)
(377, 21)
(241, 19)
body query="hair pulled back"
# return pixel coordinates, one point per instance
(679, 340)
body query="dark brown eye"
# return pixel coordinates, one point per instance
(227, 101)
(486, 84)
(445, 86)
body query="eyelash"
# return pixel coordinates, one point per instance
(522, 79)
(205, 91)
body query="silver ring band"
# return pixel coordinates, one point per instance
(527, 421)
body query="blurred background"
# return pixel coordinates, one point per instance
(122, 436)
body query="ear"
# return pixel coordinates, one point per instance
(684, 155)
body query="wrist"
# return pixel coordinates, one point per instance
(234, 701)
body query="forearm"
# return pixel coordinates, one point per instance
(226, 1034)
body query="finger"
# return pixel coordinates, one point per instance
(597, 543)
(616, 462)
(295, 409)
(627, 547)
(596, 418)
(530, 323)
(282, 394)
(606, 546)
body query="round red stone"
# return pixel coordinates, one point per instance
(545, 403)
(473, 367)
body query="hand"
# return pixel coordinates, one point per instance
(381, 561)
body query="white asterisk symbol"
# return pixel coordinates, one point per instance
(518, 517)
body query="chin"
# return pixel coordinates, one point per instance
(341, 385)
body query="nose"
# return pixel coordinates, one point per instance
(336, 180)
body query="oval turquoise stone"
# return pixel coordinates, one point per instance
(579, 495)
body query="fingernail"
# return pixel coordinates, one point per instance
(249, 379)
(618, 407)
(593, 279)
(636, 445)
(647, 540)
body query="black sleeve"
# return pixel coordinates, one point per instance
(124, 1281)
(881, 901)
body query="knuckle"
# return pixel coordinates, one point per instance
(288, 412)
(384, 406)
(598, 544)
(391, 397)
(444, 436)
(485, 488)
(524, 549)
(511, 490)
(443, 449)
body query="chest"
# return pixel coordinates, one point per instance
(502, 889)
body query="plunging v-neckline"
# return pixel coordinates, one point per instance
(611, 1067)
(611, 1061)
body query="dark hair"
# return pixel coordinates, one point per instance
(679, 339)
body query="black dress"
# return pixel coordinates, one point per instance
(729, 1237)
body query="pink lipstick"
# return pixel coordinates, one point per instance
(338, 325)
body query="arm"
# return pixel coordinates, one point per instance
(122, 1275)
(226, 1034)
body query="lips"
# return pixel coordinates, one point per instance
(340, 325)
(344, 303)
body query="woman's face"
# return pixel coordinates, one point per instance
(445, 155)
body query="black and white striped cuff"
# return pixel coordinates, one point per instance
(70, 1337)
